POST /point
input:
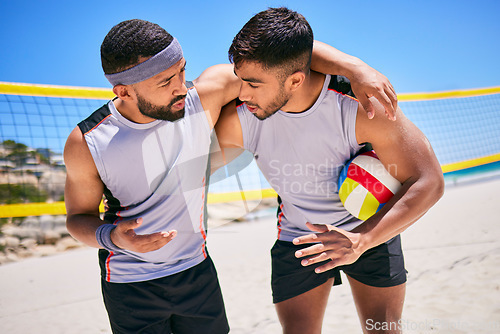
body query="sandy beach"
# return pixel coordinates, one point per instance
(452, 255)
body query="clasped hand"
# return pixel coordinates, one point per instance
(124, 236)
(330, 243)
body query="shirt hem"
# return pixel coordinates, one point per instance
(131, 278)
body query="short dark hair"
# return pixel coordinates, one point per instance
(276, 37)
(129, 40)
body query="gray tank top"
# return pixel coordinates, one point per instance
(157, 171)
(301, 156)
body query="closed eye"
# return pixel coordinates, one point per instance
(167, 80)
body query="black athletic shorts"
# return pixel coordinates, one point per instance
(381, 266)
(186, 302)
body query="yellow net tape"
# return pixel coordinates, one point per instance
(55, 91)
(470, 163)
(106, 93)
(58, 208)
(448, 94)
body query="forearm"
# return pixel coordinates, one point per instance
(326, 59)
(410, 203)
(83, 228)
(229, 142)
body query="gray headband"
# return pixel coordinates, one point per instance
(151, 67)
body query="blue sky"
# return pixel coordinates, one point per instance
(419, 45)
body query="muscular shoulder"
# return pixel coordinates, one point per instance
(77, 155)
(216, 87)
(380, 128)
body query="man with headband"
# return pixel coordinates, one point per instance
(147, 151)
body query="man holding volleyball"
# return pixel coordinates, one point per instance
(301, 131)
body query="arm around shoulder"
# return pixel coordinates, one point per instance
(229, 136)
(217, 86)
(365, 80)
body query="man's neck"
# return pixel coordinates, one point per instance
(131, 112)
(307, 94)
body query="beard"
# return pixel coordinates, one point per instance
(278, 103)
(163, 113)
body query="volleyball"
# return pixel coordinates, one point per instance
(365, 185)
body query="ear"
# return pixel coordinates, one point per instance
(295, 80)
(123, 92)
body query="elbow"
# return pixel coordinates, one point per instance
(70, 226)
(74, 225)
(435, 186)
(429, 186)
(439, 182)
(440, 186)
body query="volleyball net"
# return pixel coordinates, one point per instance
(35, 121)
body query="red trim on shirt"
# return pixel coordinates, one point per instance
(280, 216)
(108, 270)
(202, 230)
(349, 96)
(97, 124)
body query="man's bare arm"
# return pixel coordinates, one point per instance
(408, 155)
(229, 137)
(403, 145)
(83, 190)
(217, 86)
(366, 82)
(83, 194)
